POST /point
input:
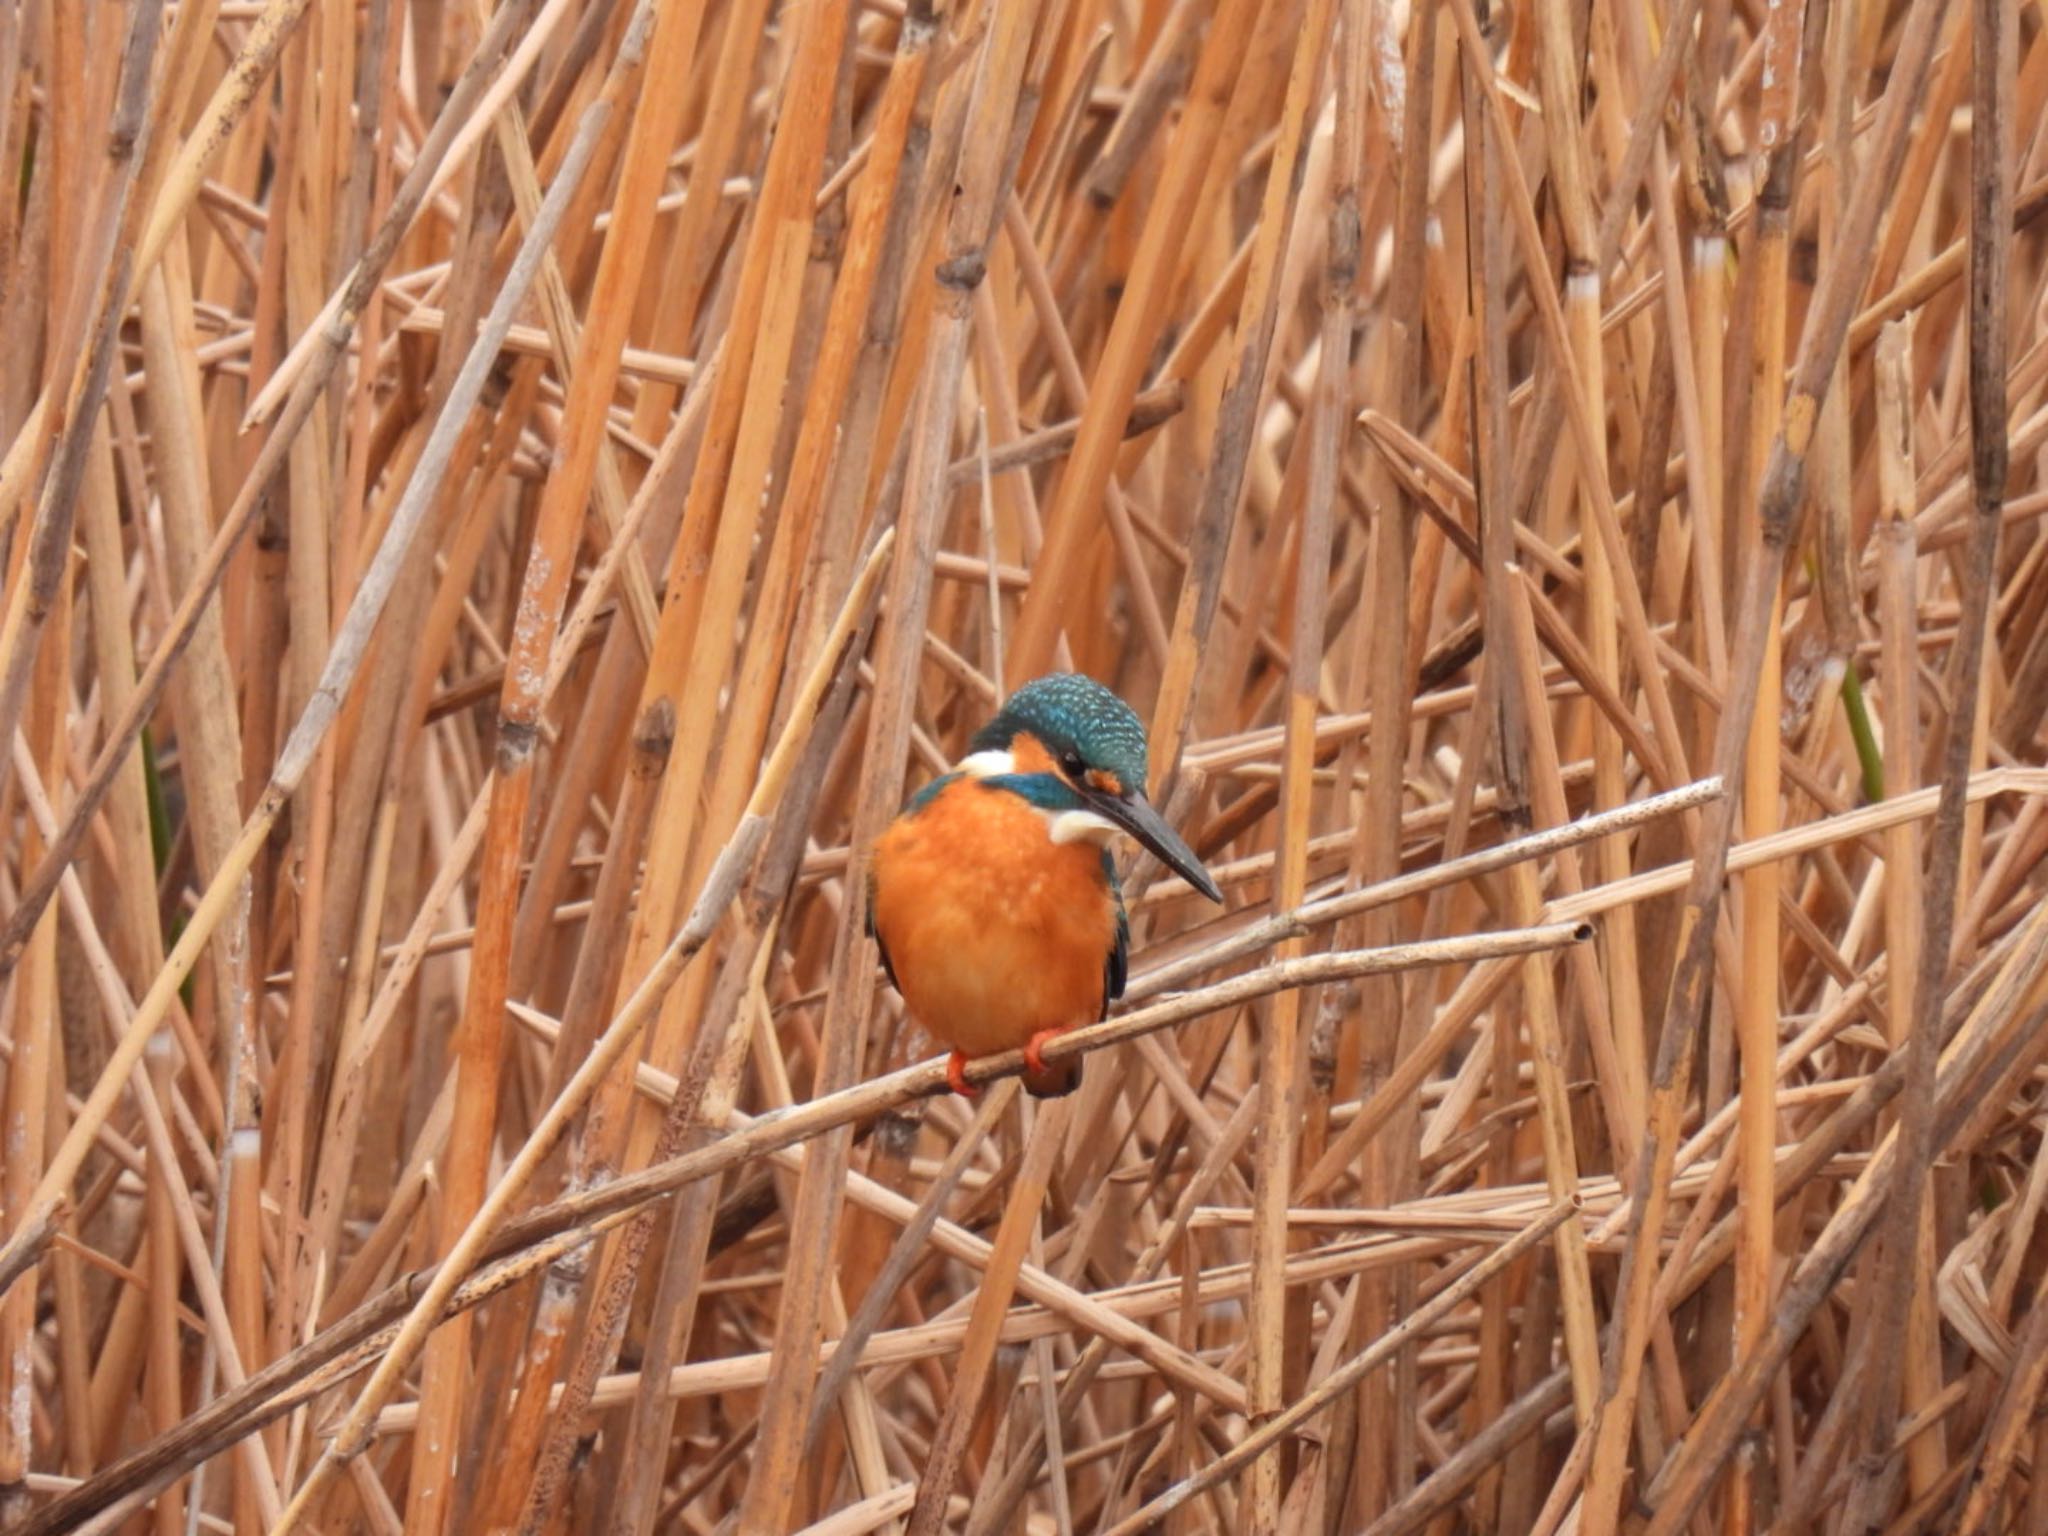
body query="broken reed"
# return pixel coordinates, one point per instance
(500, 501)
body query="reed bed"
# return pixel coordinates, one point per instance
(502, 499)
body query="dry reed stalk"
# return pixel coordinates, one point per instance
(1990, 235)
(544, 587)
(1903, 896)
(1392, 653)
(1758, 1002)
(981, 182)
(1495, 730)
(1548, 1051)
(1280, 1055)
(992, 1300)
(1434, 702)
(1135, 331)
(677, 681)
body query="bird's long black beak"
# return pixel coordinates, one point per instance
(1136, 815)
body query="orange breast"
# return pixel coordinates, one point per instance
(994, 931)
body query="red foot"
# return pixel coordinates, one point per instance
(956, 1076)
(1034, 1051)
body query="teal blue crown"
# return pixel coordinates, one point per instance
(1071, 713)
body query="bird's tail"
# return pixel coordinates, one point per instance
(1059, 1079)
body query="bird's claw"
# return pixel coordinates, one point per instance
(1034, 1052)
(956, 1076)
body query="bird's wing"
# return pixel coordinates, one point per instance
(876, 934)
(1117, 966)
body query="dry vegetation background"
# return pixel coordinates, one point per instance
(500, 500)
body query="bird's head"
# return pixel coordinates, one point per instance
(1085, 749)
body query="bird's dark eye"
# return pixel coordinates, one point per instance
(1070, 763)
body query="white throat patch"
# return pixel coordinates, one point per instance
(1079, 826)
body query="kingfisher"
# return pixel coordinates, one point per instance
(993, 897)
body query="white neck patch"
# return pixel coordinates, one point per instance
(987, 765)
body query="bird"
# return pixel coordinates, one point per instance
(992, 896)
